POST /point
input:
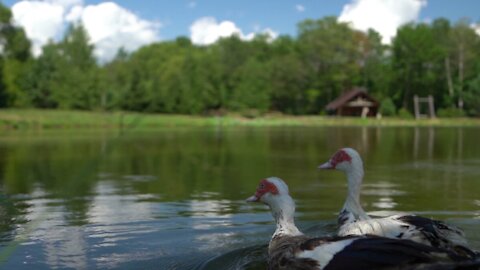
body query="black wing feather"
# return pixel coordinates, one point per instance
(377, 252)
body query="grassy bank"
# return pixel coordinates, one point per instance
(56, 119)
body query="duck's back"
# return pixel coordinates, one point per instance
(416, 228)
(350, 252)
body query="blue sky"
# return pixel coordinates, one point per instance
(136, 22)
(280, 15)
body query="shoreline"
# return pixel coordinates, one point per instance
(34, 119)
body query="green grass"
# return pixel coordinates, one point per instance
(26, 119)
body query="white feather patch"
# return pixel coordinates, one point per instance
(388, 227)
(324, 253)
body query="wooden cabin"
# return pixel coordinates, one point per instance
(355, 102)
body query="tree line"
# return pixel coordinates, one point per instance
(292, 75)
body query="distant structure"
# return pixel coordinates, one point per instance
(416, 106)
(355, 102)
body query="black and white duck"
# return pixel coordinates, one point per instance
(353, 220)
(289, 248)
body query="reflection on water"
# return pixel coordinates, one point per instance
(385, 192)
(385, 203)
(174, 199)
(244, 258)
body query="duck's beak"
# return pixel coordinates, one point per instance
(326, 166)
(253, 199)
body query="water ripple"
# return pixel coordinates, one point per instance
(251, 258)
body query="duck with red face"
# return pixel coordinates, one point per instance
(353, 220)
(290, 249)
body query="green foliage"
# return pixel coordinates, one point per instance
(312, 97)
(472, 96)
(330, 55)
(450, 112)
(15, 57)
(40, 77)
(376, 70)
(75, 87)
(292, 75)
(434, 59)
(251, 113)
(387, 107)
(252, 90)
(65, 75)
(288, 77)
(405, 113)
(415, 55)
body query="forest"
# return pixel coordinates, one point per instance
(295, 75)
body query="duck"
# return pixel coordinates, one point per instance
(353, 220)
(290, 249)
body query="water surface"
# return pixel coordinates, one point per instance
(174, 198)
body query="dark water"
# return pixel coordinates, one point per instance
(174, 199)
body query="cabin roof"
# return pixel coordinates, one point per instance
(349, 96)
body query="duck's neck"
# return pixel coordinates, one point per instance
(284, 212)
(352, 207)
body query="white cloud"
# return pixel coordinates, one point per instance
(207, 30)
(65, 3)
(300, 8)
(272, 34)
(476, 27)
(109, 26)
(41, 20)
(385, 16)
(75, 14)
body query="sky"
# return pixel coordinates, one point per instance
(133, 23)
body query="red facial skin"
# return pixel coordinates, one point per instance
(264, 187)
(339, 157)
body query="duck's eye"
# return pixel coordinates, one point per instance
(261, 186)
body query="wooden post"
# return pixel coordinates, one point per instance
(416, 107)
(431, 106)
(365, 111)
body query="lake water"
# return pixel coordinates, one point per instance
(174, 198)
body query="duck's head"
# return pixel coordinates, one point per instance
(273, 192)
(345, 159)
(269, 191)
